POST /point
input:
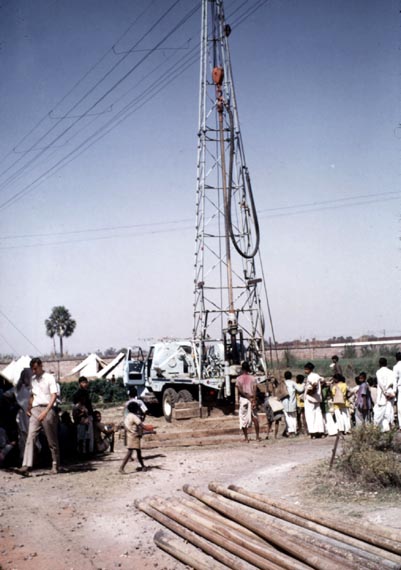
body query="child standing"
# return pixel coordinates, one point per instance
(300, 390)
(273, 408)
(81, 419)
(341, 404)
(133, 422)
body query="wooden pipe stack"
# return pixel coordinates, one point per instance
(236, 528)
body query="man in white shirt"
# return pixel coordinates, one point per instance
(383, 410)
(41, 415)
(397, 385)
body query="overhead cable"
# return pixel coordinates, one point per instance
(24, 190)
(20, 332)
(69, 157)
(90, 91)
(145, 231)
(71, 90)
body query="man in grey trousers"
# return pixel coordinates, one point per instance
(41, 414)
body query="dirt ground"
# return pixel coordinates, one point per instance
(86, 518)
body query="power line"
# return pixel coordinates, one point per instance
(10, 345)
(101, 229)
(27, 188)
(99, 100)
(378, 195)
(333, 201)
(71, 90)
(69, 157)
(171, 74)
(99, 238)
(20, 332)
(328, 207)
(155, 226)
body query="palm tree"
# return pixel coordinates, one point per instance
(61, 324)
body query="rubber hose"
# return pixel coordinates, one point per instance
(249, 188)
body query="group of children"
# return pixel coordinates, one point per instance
(93, 435)
(326, 406)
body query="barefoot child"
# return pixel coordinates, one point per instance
(134, 425)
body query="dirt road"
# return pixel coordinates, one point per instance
(86, 518)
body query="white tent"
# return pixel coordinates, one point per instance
(88, 367)
(12, 371)
(114, 368)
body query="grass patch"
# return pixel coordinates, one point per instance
(367, 469)
(372, 458)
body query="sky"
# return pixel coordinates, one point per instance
(99, 119)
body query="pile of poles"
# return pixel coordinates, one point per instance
(235, 528)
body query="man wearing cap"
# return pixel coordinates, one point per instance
(41, 415)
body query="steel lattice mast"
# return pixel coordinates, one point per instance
(227, 303)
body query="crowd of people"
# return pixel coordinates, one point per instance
(317, 406)
(31, 422)
(33, 428)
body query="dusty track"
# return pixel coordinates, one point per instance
(86, 519)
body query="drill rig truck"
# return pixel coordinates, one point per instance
(228, 322)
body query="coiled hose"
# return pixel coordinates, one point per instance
(248, 188)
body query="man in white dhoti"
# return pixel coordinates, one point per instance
(383, 411)
(397, 385)
(246, 386)
(313, 398)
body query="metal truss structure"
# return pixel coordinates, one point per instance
(227, 289)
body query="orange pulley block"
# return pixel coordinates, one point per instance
(218, 75)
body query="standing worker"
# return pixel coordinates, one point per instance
(383, 411)
(397, 385)
(246, 385)
(290, 405)
(41, 414)
(313, 398)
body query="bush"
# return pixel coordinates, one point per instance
(372, 458)
(100, 390)
(349, 352)
(68, 389)
(289, 359)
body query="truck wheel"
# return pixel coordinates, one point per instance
(170, 397)
(185, 396)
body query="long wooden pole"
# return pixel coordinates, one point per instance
(194, 523)
(259, 546)
(312, 556)
(373, 553)
(186, 554)
(219, 519)
(222, 556)
(308, 538)
(383, 538)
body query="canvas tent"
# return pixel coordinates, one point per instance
(12, 371)
(114, 368)
(89, 367)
